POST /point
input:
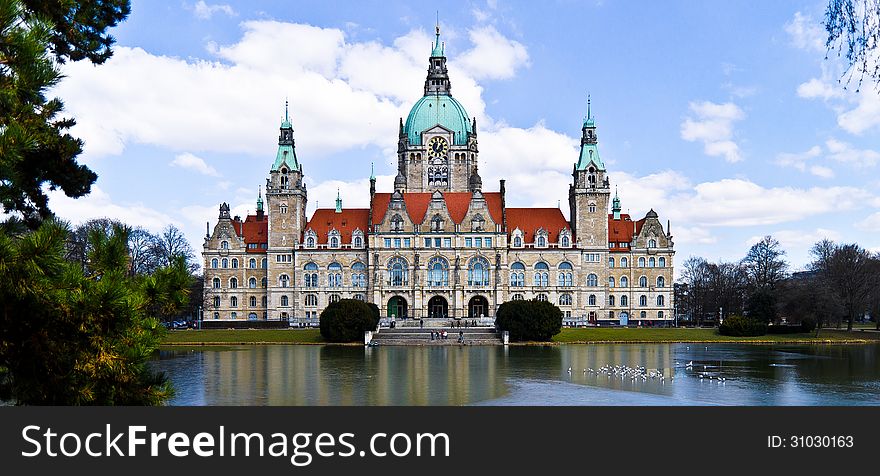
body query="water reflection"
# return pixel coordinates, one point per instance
(449, 375)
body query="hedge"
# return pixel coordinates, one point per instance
(346, 320)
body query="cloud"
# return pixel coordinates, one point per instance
(693, 235)
(866, 114)
(204, 11)
(493, 55)
(98, 204)
(817, 88)
(806, 33)
(189, 161)
(823, 172)
(791, 239)
(845, 153)
(714, 128)
(800, 161)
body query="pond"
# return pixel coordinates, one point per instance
(635, 374)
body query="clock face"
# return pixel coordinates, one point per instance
(438, 147)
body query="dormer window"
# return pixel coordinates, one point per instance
(334, 242)
(541, 238)
(310, 242)
(224, 245)
(357, 239)
(652, 243)
(564, 242)
(333, 239)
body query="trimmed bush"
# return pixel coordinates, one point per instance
(346, 320)
(739, 326)
(529, 320)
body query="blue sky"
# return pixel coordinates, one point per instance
(725, 117)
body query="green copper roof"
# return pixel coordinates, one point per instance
(432, 110)
(286, 155)
(437, 51)
(590, 153)
(260, 200)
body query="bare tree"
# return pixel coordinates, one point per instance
(850, 272)
(764, 268)
(171, 243)
(853, 28)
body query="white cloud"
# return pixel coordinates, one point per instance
(821, 171)
(714, 128)
(204, 11)
(493, 56)
(866, 114)
(797, 239)
(844, 152)
(806, 33)
(692, 235)
(871, 223)
(817, 88)
(190, 161)
(800, 161)
(98, 204)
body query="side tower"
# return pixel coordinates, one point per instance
(437, 146)
(589, 192)
(286, 202)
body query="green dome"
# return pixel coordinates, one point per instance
(436, 109)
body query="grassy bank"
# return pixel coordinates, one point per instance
(612, 335)
(243, 336)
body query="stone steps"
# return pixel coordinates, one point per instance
(472, 336)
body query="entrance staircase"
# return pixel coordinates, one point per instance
(422, 336)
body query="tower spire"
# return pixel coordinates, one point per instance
(338, 202)
(615, 205)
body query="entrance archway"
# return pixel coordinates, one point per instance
(624, 318)
(438, 307)
(478, 307)
(397, 307)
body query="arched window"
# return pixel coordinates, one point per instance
(437, 223)
(438, 272)
(565, 299)
(216, 283)
(642, 262)
(224, 263)
(643, 282)
(284, 281)
(334, 242)
(651, 262)
(610, 300)
(643, 315)
(311, 275)
(517, 241)
(643, 300)
(659, 314)
(624, 282)
(624, 262)
(565, 275)
(334, 275)
(610, 262)
(398, 272)
(263, 300)
(591, 300)
(478, 272)
(652, 243)
(233, 301)
(311, 300)
(565, 241)
(660, 300)
(541, 274)
(234, 263)
(263, 282)
(611, 281)
(541, 241)
(310, 242)
(662, 262)
(661, 282)
(358, 275)
(517, 274)
(252, 283)
(216, 315)
(253, 301)
(592, 207)
(358, 242)
(592, 280)
(541, 297)
(333, 298)
(252, 263)
(264, 263)
(624, 300)
(224, 245)
(214, 263)
(216, 301)
(517, 297)
(233, 283)
(286, 302)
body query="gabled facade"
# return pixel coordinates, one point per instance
(438, 245)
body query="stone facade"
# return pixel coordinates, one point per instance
(439, 246)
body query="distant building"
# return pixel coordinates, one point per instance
(439, 245)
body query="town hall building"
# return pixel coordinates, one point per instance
(439, 245)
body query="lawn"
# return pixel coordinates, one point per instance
(597, 335)
(243, 336)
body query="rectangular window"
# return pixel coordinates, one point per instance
(397, 242)
(488, 242)
(427, 242)
(478, 242)
(468, 242)
(407, 243)
(388, 242)
(611, 245)
(436, 242)
(447, 242)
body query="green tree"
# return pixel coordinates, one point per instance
(531, 320)
(346, 320)
(71, 335)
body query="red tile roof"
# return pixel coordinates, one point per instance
(256, 230)
(417, 205)
(325, 219)
(622, 231)
(529, 220)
